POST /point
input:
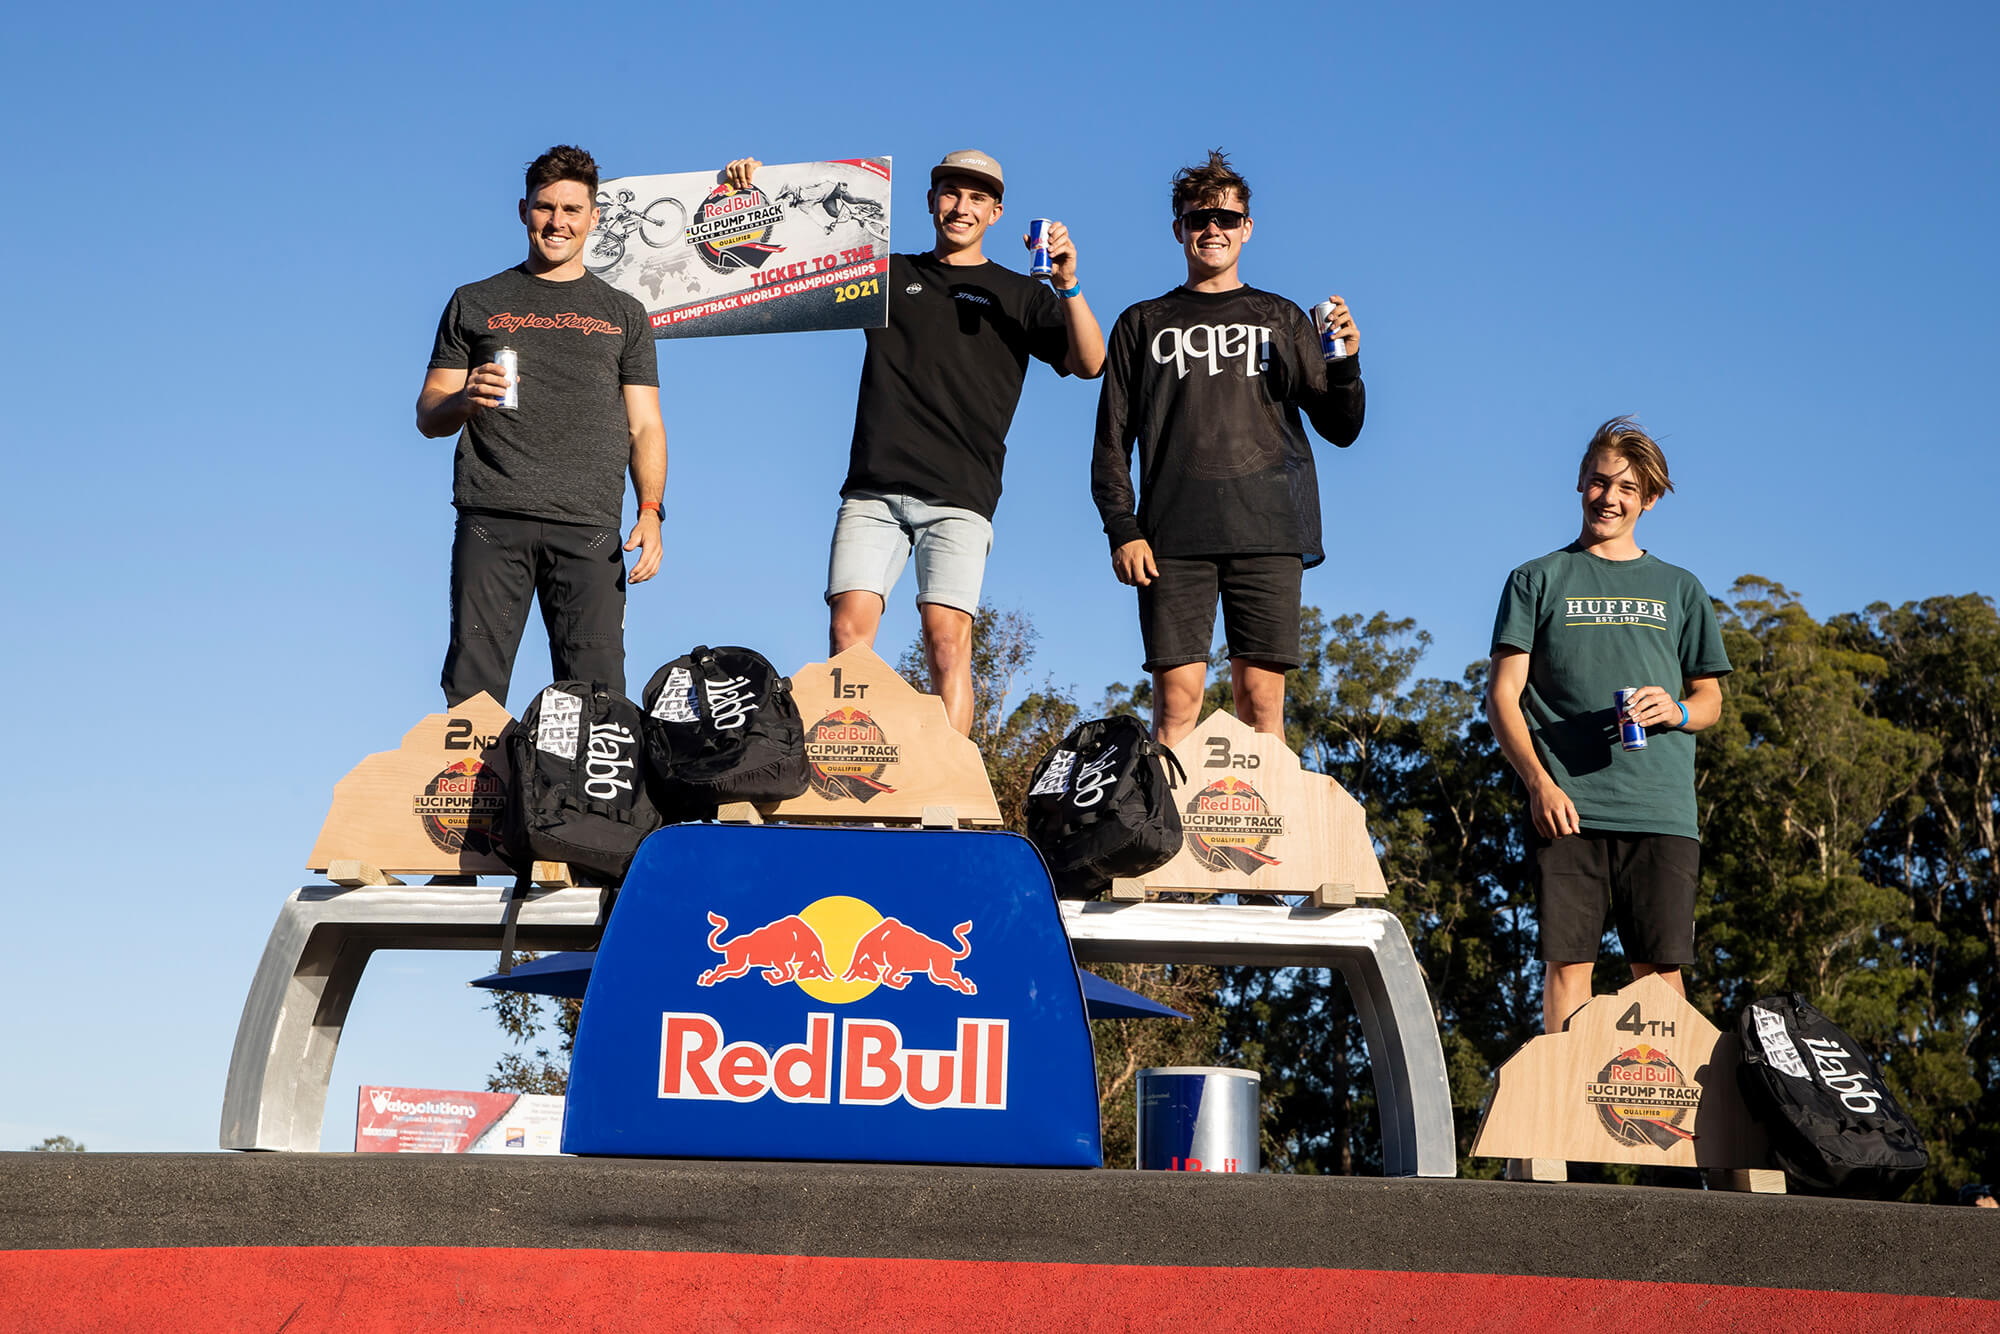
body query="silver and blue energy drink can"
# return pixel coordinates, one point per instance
(1631, 735)
(1039, 263)
(1330, 347)
(510, 361)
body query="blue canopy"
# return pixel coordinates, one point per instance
(567, 975)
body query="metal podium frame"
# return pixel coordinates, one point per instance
(275, 1098)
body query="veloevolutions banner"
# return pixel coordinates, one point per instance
(806, 246)
(408, 1120)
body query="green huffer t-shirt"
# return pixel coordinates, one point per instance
(1591, 627)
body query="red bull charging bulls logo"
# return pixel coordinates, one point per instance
(837, 950)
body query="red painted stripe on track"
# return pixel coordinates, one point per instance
(404, 1290)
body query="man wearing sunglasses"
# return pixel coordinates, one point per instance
(1210, 381)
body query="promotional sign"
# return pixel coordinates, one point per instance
(405, 1120)
(429, 806)
(867, 995)
(1637, 1077)
(805, 246)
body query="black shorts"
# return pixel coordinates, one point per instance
(1648, 880)
(1260, 609)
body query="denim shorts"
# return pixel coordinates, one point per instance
(877, 532)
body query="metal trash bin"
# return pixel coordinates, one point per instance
(1198, 1118)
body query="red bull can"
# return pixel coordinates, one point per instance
(510, 361)
(1631, 735)
(1331, 347)
(1039, 263)
(1197, 1118)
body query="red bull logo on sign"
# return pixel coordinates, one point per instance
(876, 1067)
(837, 949)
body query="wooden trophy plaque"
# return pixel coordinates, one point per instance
(1638, 1077)
(879, 751)
(428, 807)
(1256, 822)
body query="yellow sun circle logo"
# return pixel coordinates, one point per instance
(840, 922)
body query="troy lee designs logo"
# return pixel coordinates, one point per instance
(569, 319)
(1214, 346)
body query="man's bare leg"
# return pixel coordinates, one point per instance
(1565, 990)
(948, 651)
(1259, 692)
(1670, 976)
(1177, 695)
(852, 618)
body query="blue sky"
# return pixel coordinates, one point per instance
(1768, 231)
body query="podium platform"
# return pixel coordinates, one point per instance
(321, 944)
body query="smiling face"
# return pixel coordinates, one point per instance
(559, 217)
(962, 208)
(1613, 500)
(1213, 249)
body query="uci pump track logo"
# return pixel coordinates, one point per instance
(732, 230)
(846, 755)
(1641, 1098)
(459, 808)
(837, 950)
(1229, 824)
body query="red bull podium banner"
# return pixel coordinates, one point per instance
(867, 995)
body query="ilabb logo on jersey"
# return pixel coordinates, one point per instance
(876, 1067)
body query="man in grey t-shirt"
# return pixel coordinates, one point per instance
(540, 487)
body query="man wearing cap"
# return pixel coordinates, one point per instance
(939, 386)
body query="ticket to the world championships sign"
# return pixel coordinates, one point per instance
(806, 246)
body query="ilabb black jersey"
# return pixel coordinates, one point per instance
(1210, 385)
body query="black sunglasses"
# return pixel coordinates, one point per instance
(1197, 219)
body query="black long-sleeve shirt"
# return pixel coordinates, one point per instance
(1210, 386)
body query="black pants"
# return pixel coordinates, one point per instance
(577, 571)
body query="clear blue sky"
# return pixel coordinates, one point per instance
(1770, 235)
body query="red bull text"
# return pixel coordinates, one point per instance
(876, 1066)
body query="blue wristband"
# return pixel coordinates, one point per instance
(1684, 713)
(1067, 292)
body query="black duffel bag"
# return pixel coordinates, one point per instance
(1101, 806)
(1833, 1126)
(578, 792)
(721, 726)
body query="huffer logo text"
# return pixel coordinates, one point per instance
(1615, 611)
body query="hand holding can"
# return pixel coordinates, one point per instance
(1330, 317)
(510, 361)
(1631, 733)
(1040, 265)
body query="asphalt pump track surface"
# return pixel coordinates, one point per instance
(307, 1242)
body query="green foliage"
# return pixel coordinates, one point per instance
(57, 1144)
(523, 1018)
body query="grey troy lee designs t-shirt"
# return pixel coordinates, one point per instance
(563, 453)
(1592, 627)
